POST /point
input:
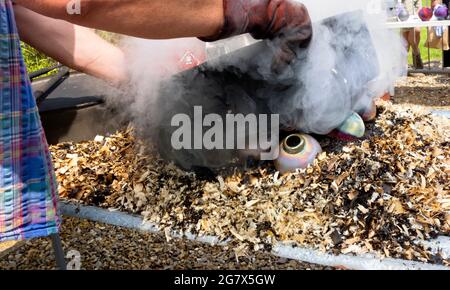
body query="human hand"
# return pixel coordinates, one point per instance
(286, 22)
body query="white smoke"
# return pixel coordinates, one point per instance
(323, 105)
(150, 62)
(389, 44)
(331, 86)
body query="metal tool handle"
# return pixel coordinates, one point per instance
(52, 84)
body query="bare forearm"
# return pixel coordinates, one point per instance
(140, 18)
(75, 46)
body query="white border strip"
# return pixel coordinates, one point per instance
(413, 24)
(367, 262)
(441, 113)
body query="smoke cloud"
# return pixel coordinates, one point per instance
(352, 60)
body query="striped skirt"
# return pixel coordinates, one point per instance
(28, 191)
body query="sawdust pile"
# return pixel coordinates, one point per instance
(383, 194)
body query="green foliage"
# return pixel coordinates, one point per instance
(35, 60)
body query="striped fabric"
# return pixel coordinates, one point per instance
(28, 195)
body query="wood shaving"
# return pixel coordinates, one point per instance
(379, 195)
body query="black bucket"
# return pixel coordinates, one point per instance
(72, 107)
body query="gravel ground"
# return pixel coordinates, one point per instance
(425, 90)
(108, 247)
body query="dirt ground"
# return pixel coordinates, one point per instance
(425, 90)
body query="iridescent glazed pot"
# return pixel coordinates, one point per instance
(297, 151)
(353, 128)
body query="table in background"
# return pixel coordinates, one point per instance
(425, 24)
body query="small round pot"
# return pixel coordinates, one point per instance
(297, 151)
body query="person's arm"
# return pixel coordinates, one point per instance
(286, 22)
(141, 18)
(77, 47)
